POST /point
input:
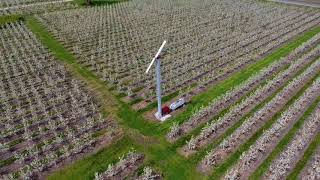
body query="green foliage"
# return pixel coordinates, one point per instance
(146, 136)
(10, 18)
(306, 156)
(7, 162)
(283, 143)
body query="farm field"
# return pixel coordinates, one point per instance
(204, 45)
(47, 116)
(9, 7)
(75, 99)
(310, 3)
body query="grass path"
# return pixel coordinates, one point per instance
(93, 82)
(134, 119)
(204, 98)
(259, 172)
(10, 18)
(230, 130)
(156, 150)
(312, 148)
(146, 137)
(221, 169)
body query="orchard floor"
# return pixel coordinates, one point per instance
(143, 135)
(146, 136)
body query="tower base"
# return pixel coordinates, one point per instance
(161, 118)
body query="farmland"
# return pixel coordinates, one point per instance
(123, 46)
(42, 124)
(75, 101)
(9, 7)
(310, 3)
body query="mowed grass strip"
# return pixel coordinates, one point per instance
(127, 116)
(312, 148)
(201, 153)
(221, 169)
(197, 130)
(134, 119)
(10, 18)
(259, 172)
(58, 50)
(230, 130)
(160, 154)
(98, 162)
(205, 98)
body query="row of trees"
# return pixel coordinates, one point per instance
(238, 111)
(287, 160)
(255, 122)
(220, 103)
(8, 7)
(206, 42)
(46, 116)
(252, 158)
(312, 170)
(204, 114)
(126, 165)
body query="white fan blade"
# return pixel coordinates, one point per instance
(155, 57)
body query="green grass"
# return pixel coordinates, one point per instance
(10, 18)
(58, 50)
(204, 98)
(230, 130)
(312, 148)
(94, 163)
(54, 45)
(145, 136)
(163, 99)
(259, 172)
(199, 155)
(129, 120)
(221, 169)
(15, 142)
(236, 79)
(159, 154)
(7, 162)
